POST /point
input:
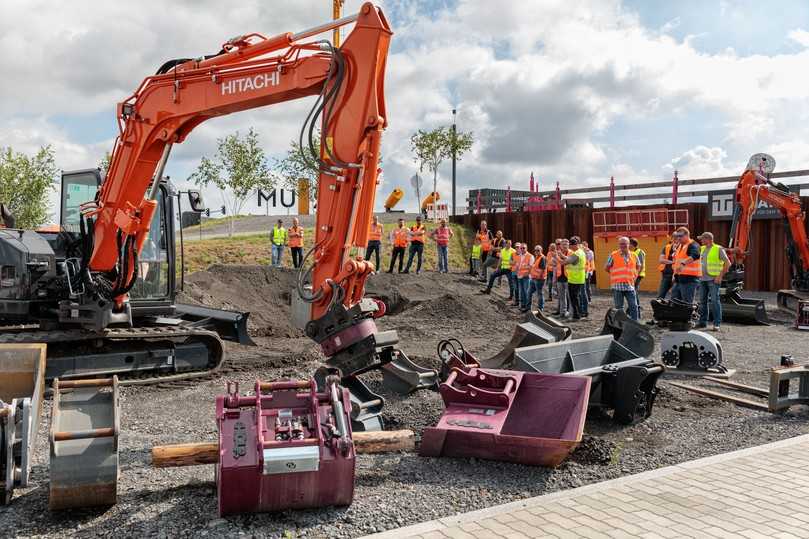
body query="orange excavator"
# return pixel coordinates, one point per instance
(77, 286)
(755, 187)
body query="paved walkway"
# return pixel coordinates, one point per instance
(761, 492)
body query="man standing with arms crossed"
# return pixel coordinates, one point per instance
(417, 234)
(623, 267)
(278, 238)
(715, 264)
(687, 269)
(295, 235)
(399, 239)
(666, 262)
(442, 235)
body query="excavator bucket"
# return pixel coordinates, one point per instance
(85, 424)
(528, 418)
(741, 310)
(535, 329)
(631, 334)
(22, 388)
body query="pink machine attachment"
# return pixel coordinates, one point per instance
(286, 447)
(534, 419)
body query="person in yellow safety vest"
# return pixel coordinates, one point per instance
(576, 269)
(591, 268)
(715, 264)
(666, 261)
(623, 267)
(474, 258)
(278, 239)
(539, 270)
(560, 275)
(687, 270)
(641, 254)
(417, 234)
(375, 242)
(295, 234)
(520, 268)
(505, 267)
(399, 239)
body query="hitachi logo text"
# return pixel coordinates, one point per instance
(251, 83)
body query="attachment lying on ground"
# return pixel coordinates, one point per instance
(683, 349)
(622, 381)
(633, 335)
(22, 388)
(286, 447)
(534, 419)
(85, 425)
(735, 308)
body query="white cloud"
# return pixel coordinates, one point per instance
(799, 36)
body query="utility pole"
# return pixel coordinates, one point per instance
(454, 131)
(336, 9)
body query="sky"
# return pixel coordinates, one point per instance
(575, 91)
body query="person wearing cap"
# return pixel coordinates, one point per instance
(505, 268)
(687, 268)
(576, 270)
(641, 254)
(417, 234)
(666, 261)
(623, 267)
(715, 264)
(278, 239)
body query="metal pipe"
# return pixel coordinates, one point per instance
(161, 166)
(339, 413)
(315, 30)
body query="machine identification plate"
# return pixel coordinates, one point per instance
(291, 460)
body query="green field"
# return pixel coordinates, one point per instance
(255, 249)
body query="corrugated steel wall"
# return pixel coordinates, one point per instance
(766, 268)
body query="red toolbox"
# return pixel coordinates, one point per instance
(535, 419)
(285, 447)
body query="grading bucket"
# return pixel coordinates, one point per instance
(536, 329)
(22, 387)
(534, 419)
(622, 380)
(85, 424)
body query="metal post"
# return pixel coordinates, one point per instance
(674, 189)
(336, 8)
(454, 132)
(612, 192)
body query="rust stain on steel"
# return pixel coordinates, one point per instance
(83, 434)
(83, 496)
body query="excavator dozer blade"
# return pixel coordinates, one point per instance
(741, 310)
(535, 329)
(230, 325)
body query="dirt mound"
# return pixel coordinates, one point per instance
(594, 450)
(264, 292)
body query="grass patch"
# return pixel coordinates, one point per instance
(254, 249)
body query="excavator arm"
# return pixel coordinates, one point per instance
(249, 72)
(753, 188)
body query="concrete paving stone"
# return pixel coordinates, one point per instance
(621, 534)
(784, 535)
(434, 535)
(457, 533)
(752, 534)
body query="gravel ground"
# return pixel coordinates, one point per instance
(395, 489)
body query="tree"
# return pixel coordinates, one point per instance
(294, 167)
(25, 183)
(238, 169)
(104, 164)
(430, 148)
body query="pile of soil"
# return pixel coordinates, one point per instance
(262, 291)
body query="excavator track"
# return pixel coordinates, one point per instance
(139, 356)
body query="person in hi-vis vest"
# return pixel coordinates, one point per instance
(278, 239)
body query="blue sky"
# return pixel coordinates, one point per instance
(576, 91)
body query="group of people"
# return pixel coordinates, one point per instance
(567, 269)
(402, 239)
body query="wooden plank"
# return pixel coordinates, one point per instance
(759, 392)
(195, 454)
(723, 397)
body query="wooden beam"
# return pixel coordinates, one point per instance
(723, 397)
(758, 391)
(195, 454)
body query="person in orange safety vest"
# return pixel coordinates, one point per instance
(295, 239)
(374, 241)
(400, 237)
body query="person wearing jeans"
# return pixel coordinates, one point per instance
(576, 269)
(505, 268)
(687, 269)
(715, 264)
(562, 252)
(536, 280)
(278, 239)
(295, 235)
(417, 233)
(623, 267)
(375, 242)
(485, 238)
(399, 239)
(442, 235)
(666, 261)
(521, 268)
(550, 269)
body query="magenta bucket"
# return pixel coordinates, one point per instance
(534, 419)
(286, 447)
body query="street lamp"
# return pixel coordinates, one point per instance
(453, 160)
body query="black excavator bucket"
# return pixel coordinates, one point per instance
(535, 329)
(741, 310)
(631, 334)
(230, 325)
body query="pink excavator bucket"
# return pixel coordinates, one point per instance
(534, 419)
